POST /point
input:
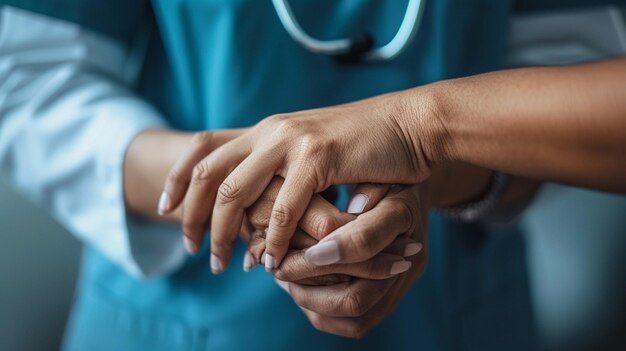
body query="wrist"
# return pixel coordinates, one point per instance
(424, 119)
(454, 184)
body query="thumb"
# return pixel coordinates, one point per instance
(367, 235)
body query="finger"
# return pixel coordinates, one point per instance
(351, 299)
(240, 190)
(301, 240)
(259, 212)
(321, 218)
(177, 181)
(366, 196)
(355, 327)
(341, 326)
(292, 200)
(358, 327)
(256, 246)
(200, 196)
(404, 246)
(381, 266)
(325, 280)
(368, 235)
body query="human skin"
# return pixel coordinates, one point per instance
(145, 171)
(367, 290)
(560, 124)
(353, 308)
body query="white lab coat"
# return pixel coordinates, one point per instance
(66, 119)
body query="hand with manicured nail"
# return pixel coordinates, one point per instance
(396, 214)
(352, 308)
(311, 150)
(321, 218)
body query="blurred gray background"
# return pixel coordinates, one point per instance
(38, 267)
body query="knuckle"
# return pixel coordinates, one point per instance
(193, 228)
(287, 124)
(201, 139)
(282, 216)
(403, 210)
(228, 193)
(323, 225)
(361, 243)
(353, 304)
(277, 118)
(253, 218)
(201, 172)
(311, 145)
(256, 246)
(371, 268)
(258, 219)
(175, 177)
(274, 241)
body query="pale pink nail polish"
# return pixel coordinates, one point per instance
(216, 265)
(357, 204)
(269, 263)
(323, 254)
(190, 246)
(247, 262)
(164, 203)
(400, 267)
(283, 285)
(412, 249)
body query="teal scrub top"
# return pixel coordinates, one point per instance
(221, 64)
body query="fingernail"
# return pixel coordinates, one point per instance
(269, 263)
(283, 285)
(400, 267)
(247, 262)
(216, 265)
(357, 204)
(323, 254)
(164, 203)
(412, 249)
(190, 246)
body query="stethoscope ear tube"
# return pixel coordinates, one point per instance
(356, 49)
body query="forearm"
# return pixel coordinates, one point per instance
(151, 157)
(148, 161)
(562, 124)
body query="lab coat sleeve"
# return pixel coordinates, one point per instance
(66, 120)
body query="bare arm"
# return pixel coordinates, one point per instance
(564, 124)
(150, 158)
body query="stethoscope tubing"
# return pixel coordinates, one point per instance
(405, 34)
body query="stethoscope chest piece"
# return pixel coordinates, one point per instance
(359, 47)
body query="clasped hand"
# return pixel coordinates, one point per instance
(345, 270)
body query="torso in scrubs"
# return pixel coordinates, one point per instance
(230, 64)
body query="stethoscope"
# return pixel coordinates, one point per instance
(356, 49)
